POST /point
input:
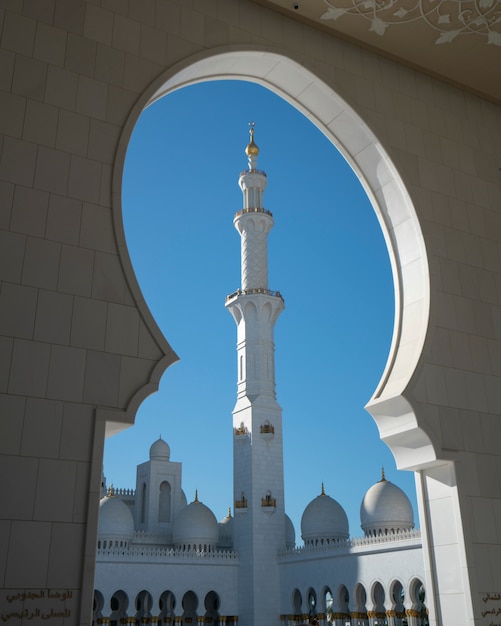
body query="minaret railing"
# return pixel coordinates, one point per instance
(248, 292)
(253, 210)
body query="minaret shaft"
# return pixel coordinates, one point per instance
(254, 229)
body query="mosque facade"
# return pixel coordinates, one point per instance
(162, 560)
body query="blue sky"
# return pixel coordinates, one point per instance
(327, 257)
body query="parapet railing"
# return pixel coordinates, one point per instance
(248, 292)
(148, 552)
(345, 544)
(124, 492)
(253, 210)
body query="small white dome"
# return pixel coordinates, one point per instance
(115, 519)
(160, 451)
(324, 519)
(385, 509)
(195, 525)
(290, 533)
(226, 532)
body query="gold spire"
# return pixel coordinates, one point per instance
(323, 490)
(196, 495)
(383, 479)
(229, 512)
(111, 491)
(251, 149)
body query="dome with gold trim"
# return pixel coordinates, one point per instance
(324, 520)
(226, 531)
(115, 519)
(195, 528)
(160, 450)
(385, 509)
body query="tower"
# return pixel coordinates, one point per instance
(159, 497)
(259, 527)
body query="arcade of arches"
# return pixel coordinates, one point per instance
(333, 609)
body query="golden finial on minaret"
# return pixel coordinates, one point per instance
(196, 495)
(323, 489)
(111, 491)
(383, 479)
(251, 149)
(229, 512)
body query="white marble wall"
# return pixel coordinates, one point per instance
(78, 347)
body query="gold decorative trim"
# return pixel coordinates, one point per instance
(242, 503)
(268, 501)
(267, 429)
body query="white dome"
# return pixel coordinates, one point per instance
(160, 451)
(226, 532)
(290, 533)
(195, 525)
(385, 508)
(324, 519)
(115, 519)
(184, 499)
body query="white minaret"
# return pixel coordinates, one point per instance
(258, 477)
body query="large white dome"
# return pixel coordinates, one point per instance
(115, 520)
(196, 525)
(324, 520)
(385, 509)
(160, 450)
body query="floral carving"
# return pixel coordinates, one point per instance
(450, 18)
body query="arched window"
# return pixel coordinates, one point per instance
(143, 504)
(164, 502)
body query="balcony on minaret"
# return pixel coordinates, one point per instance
(251, 292)
(253, 210)
(267, 430)
(268, 504)
(241, 505)
(240, 432)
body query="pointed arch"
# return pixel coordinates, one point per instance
(164, 501)
(307, 92)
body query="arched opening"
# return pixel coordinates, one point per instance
(167, 604)
(381, 182)
(212, 604)
(144, 604)
(396, 606)
(328, 601)
(359, 615)
(359, 145)
(378, 610)
(341, 606)
(119, 603)
(312, 603)
(297, 610)
(97, 607)
(190, 605)
(418, 609)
